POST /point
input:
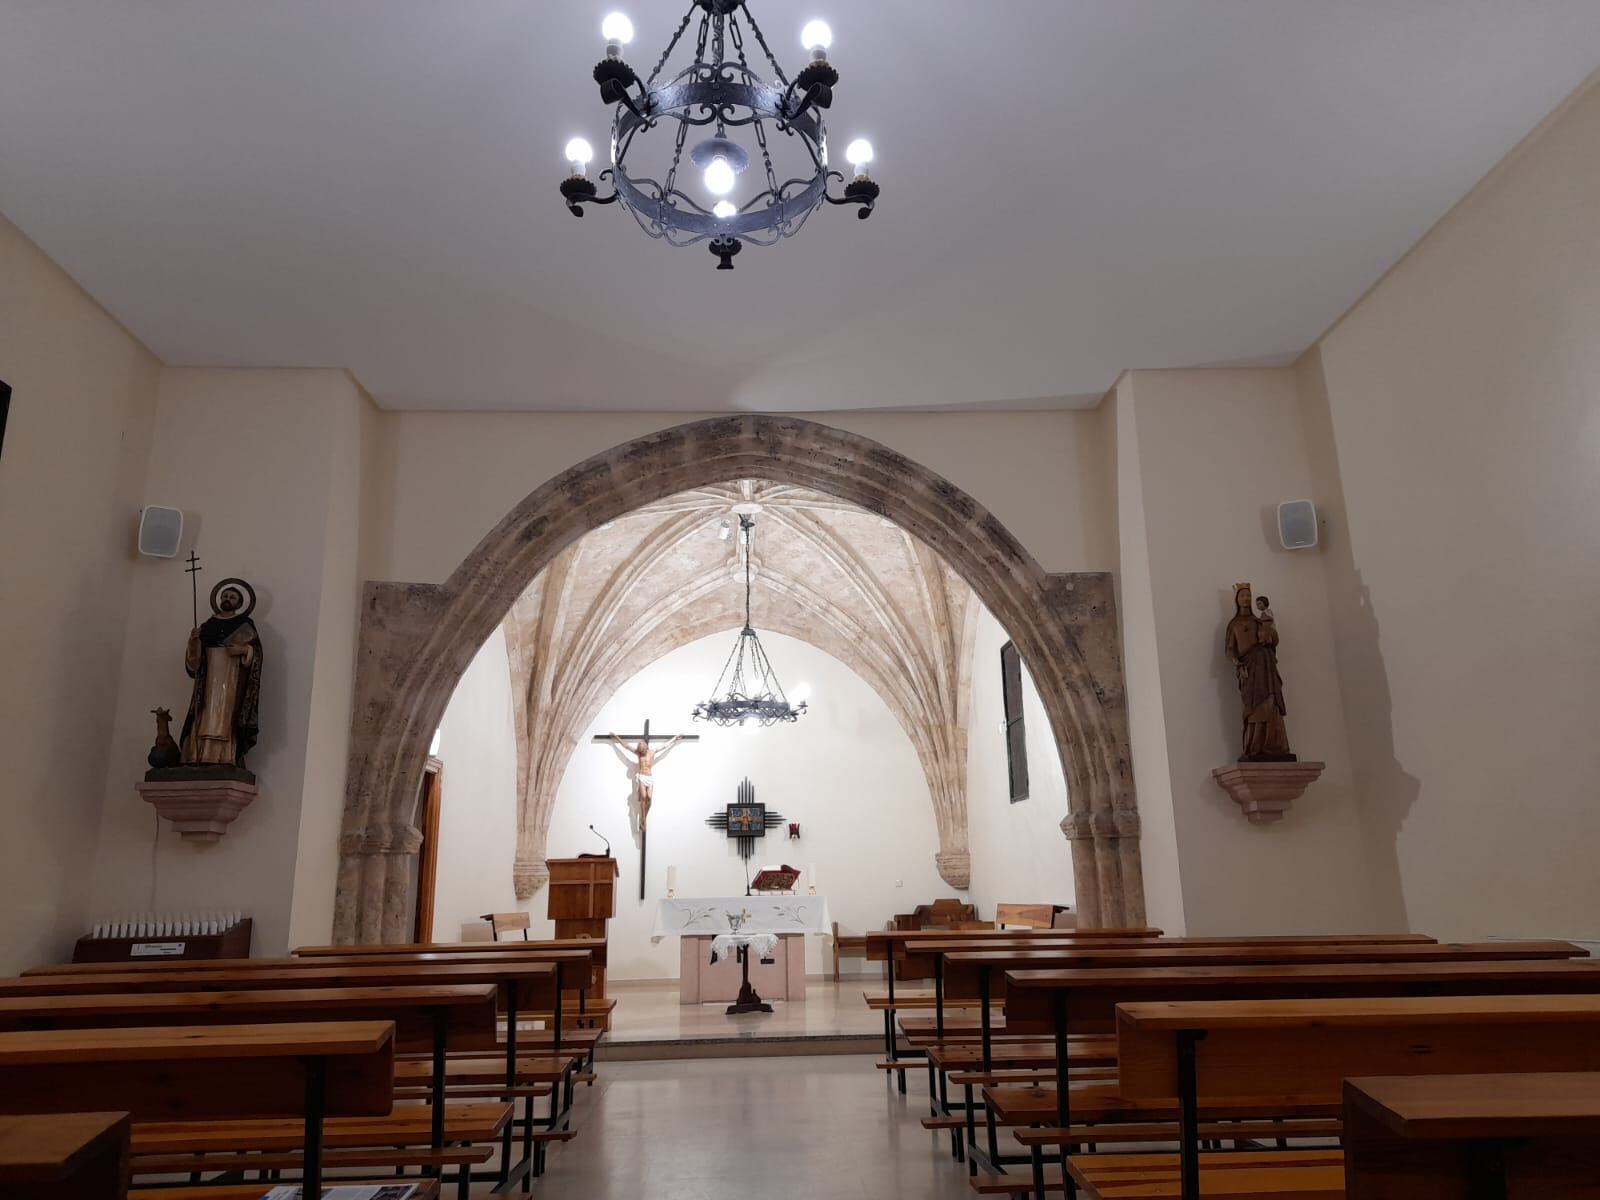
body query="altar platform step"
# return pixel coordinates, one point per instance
(650, 1023)
(738, 1045)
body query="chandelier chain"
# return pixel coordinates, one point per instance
(671, 46)
(761, 38)
(760, 126)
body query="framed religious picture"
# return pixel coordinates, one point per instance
(747, 819)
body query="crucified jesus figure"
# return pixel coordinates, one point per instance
(641, 769)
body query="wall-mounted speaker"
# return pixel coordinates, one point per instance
(160, 531)
(1297, 524)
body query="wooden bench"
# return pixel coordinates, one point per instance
(305, 1071)
(1218, 1053)
(522, 985)
(1068, 1003)
(1432, 1137)
(65, 1156)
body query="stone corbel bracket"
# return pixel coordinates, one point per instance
(200, 809)
(1265, 790)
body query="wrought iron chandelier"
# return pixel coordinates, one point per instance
(748, 688)
(718, 93)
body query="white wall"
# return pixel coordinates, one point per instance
(846, 772)
(1462, 399)
(70, 490)
(1019, 854)
(478, 808)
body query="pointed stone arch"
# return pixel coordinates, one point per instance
(417, 640)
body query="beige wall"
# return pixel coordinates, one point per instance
(1216, 451)
(261, 461)
(1147, 722)
(1462, 397)
(458, 474)
(70, 475)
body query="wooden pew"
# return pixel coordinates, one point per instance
(965, 973)
(1454, 1137)
(597, 948)
(65, 1156)
(309, 1071)
(573, 960)
(1062, 1004)
(892, 944)
(1210, 1054)
(523, 986)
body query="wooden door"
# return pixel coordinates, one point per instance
(428, 855)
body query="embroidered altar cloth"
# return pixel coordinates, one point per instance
(767, 914)
(761, 944)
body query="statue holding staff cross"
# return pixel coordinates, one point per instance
(641, 758)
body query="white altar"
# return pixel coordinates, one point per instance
(698, 922)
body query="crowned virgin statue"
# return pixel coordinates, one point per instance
(224, 660)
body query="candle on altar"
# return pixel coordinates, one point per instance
(672, 880)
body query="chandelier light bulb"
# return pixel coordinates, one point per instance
(579, 154)
(859, 155)
(817, 37)
(720, 177)
(617, 29)
(722, 210)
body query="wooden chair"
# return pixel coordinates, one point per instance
(508, 923)
(1027, 916)
(852, 946)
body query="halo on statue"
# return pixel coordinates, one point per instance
(237, 585)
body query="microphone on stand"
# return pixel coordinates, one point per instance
(602, 837)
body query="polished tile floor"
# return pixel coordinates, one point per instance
(737, 1129)
(651, 1012)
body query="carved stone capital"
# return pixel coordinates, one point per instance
(1078, 827)
(1265, 790)
(955, 867)
(528, 875)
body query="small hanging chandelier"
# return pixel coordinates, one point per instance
(720, 90)
(748, 688)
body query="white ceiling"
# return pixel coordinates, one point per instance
(1071, 187)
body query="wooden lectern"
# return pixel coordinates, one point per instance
(582, 895)
(580, 898)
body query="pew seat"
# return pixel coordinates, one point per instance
(1245, 1175)
(409, 1125)
(427, 1189)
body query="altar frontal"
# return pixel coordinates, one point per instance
(712, 932)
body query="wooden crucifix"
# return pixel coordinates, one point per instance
(641, 770)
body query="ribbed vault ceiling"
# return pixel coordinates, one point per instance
(826, 572)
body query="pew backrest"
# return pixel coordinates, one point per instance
(186, 1073)
(1307, 1048)
(467, 1013)
(1088, 997)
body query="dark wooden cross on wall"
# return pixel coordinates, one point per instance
(631, 740)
